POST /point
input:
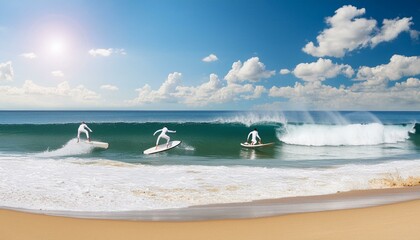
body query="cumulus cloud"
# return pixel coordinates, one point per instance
(391, 29)
(399, 66)
(6, 72)
(284, 71)
(210, 58)
(256, 92)
(200, 94)
(414, 34)
(236, 92)
(348, 31)
(62, 89)
(321, 70)
(57, 73)
(251, 70)
(109, 87)
(410, 83)
(317, 96)
(212, 91)
(102, 52)
(29, 55)
(34, 95)
(227, 92)
(371, 92)
(165, 91)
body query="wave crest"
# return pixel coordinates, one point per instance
(342, 135)
(251, 118)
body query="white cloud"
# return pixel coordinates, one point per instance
(210, 58)
(321, 70)
(252, 70)
(62, 89)
(391, 29)
(57, 73)
(213, 91)
(100, 52)
(348, 31)
(30, 55)
(399, 66)
(410, 83)
(236, 92)
(33, 95)
(165, 91)
(317, 96)
(10, 91)
(109, 87)
(106, 52)
(200, 94)
(414, 34)
(256, 92)
(373, 93)
(284, 71)
(6, 71)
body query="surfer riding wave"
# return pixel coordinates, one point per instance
(163, 131)
(82, 129)
(254, 135)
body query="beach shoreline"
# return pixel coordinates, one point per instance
(254, 209)
(396, 220)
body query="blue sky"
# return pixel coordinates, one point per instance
(199, 55)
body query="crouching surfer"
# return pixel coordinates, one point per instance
(83, 129)
(254, 135)
(163, 131)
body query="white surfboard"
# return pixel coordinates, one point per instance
(97, 144)
(248, 145)
(162, 147)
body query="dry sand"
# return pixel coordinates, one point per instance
(393, 221)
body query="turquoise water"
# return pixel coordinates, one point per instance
(40, 158)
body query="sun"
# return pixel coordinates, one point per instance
(57, 46)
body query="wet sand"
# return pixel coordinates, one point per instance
(391, 221)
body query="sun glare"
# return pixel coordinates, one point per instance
(57, 47)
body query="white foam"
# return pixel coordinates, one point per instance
(186, 147)
(251, 118)
(344, 135)
(71, 148)
(80, 185)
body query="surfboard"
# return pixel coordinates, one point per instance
(162, 147)
(97, 144)
(248, 145)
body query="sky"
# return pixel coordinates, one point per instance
(210, 55)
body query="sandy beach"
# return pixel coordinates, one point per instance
(390, 221)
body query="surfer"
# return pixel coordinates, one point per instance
(254, 137)
(163, 131)
(82, 129)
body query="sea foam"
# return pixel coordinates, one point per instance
(251, 118)
(344, 135)
(71, 148)
(76, 184)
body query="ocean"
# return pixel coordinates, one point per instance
(43, 167)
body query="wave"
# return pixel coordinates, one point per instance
(345, 135)
(198, 138)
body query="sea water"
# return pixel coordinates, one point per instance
(42, 166)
